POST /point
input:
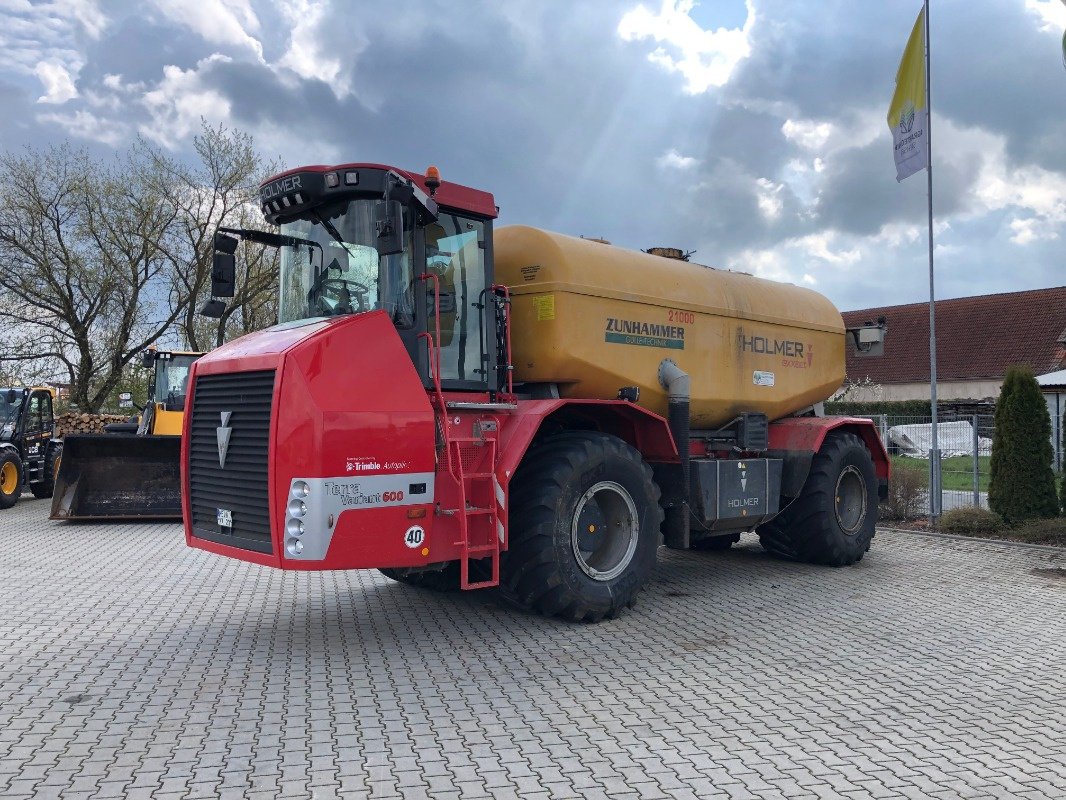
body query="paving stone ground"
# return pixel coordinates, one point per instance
(131, 666)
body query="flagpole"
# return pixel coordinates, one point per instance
(935, 496)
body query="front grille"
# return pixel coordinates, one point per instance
(241, 486)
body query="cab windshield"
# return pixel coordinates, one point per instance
(334, 268)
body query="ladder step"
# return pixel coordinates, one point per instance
(482, 584)
(482, 548)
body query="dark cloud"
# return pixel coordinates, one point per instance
(136, 48)
(542, 103)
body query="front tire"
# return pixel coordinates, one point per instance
(10, 478)
(585, 520)
(832, 521)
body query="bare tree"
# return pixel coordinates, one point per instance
(86, 282)
(220, 189)
(103, 259)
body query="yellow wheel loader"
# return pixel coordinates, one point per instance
(131, 470)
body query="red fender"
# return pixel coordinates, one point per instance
(646, 431)
(797, 439)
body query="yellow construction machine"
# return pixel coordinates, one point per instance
(29, 454)
(131, 470)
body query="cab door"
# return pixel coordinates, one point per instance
(457, 252)
(36, 433)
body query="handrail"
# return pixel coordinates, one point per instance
(434, 366)
(499, 287)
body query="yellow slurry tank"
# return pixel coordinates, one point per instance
(594, 318)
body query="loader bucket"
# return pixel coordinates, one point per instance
(118, 476)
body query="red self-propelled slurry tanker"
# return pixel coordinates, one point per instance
(461, 406)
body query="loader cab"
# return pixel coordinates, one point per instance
(172, 379)
(164, 413)
(358, 238)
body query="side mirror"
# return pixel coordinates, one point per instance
(213, 309)
(388, 223)
(226, 244)
(12, 396)
(147, 359)
(224, 275)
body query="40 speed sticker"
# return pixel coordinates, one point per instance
(414, 537)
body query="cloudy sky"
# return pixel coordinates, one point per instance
(751, 132)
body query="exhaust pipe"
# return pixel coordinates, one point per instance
(676, 382)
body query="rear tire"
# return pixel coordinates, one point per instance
(47, 487)
(832, 521)
(439, 580)
(10, 478)
(585, 527)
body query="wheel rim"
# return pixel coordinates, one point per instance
(605, 531)
(9, 478)
(850, 503)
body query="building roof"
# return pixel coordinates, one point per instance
(1052, 379)
(977, 337)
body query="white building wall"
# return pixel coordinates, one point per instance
(945, 390)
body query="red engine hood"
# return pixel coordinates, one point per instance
(259, 350)
(348, 405)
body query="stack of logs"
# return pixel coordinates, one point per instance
(77, 423)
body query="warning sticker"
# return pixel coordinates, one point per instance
(760, 378)
(544, 304)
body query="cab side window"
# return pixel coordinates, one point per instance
(35, 413)
(46, 411)
(455, 254)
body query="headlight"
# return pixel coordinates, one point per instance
(297, 508)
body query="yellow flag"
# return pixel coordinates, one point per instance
(908, 115)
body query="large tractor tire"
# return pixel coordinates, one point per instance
(440, 580)
(47, 487)
(832, 521)
(10, 477)
(584, 527)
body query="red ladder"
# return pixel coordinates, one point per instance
(473, 463)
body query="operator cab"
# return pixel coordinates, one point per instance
(359, 238)
(172, 378)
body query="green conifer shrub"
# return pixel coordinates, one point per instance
(1022, 482)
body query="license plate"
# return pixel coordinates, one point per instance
(225, 517)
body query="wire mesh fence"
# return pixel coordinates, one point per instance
(965, 442)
